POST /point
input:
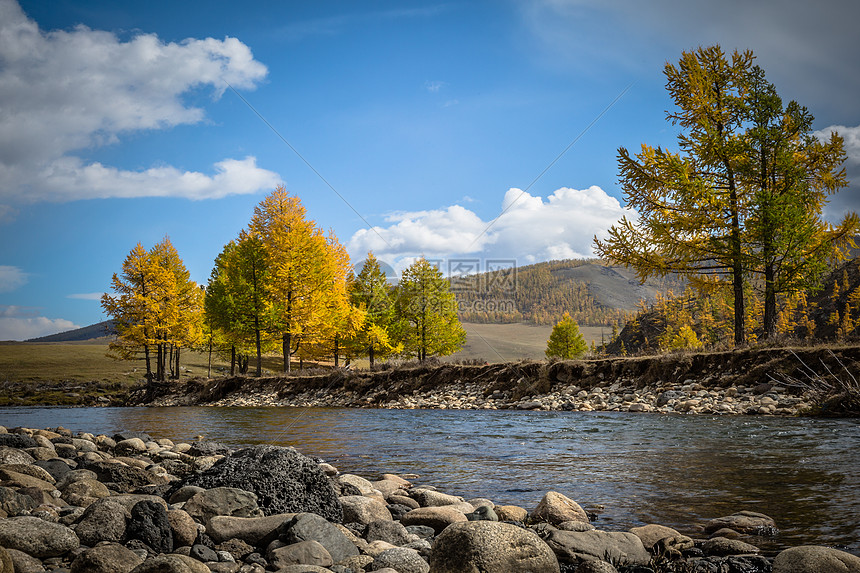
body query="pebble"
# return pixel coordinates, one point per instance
(390, 524)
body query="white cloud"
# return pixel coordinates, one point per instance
(67, 90)
(851, 137)
(11, 278)
(530, 229)
(15, 328)
(69, 179)
(86, 296)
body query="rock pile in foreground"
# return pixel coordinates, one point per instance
(128, 503)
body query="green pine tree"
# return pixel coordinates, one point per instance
(566, 342)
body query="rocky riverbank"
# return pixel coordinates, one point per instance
(786, 382)
(130, 503)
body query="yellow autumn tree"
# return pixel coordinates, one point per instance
(156, 307)
(308, 273)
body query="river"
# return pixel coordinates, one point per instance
(673, 470)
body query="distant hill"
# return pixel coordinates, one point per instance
(592, 291)
(99, 330)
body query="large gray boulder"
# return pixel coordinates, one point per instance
(621, 549)
(490, 547)
(402, 560)
(256, 531)
(311, 527)
(556, 508)
(230, 501)
(37, 537)
(284, 480)
(814, 559)
(106, 558)
(749, 522)
(364, 510)
(105, 520)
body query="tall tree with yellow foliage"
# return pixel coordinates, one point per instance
(307, 286)
(156, 308)
(690, 204)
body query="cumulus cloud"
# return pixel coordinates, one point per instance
(529, 230)
(851, 137)
(11, 278)
(12, 328)
(68, 90)
(23, 323)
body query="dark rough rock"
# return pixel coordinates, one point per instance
(815, 559)
(149, 524)
(13, 503)
(311, 527)
(620, 549)
(56, 467)
(37, 537)
(18, 441)
(126, 478)
(208, 448)
(422, 531)
(397, 511)
(105, 520)
(284, 480)
(107, 558)
(491, 547)
(733, 564)
(121, 436)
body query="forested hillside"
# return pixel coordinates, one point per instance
(593, 292)
(688, 321)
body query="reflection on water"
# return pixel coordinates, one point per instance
(673, 470)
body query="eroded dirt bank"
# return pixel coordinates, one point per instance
(752, 381)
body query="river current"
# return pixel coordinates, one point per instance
(635, 469)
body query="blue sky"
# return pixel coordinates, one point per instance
(124, 122)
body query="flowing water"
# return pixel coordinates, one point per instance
(673, 470)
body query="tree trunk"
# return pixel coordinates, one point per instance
(177, 363)
(286, 349)
(209, 367)
(737, 262)
(259, 352)
(769, 300)
(335, 350)
(370, 354)
(148, 363)
(159, 362)
(233, 360)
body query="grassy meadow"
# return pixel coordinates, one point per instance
(510, 342)
(74, 373)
